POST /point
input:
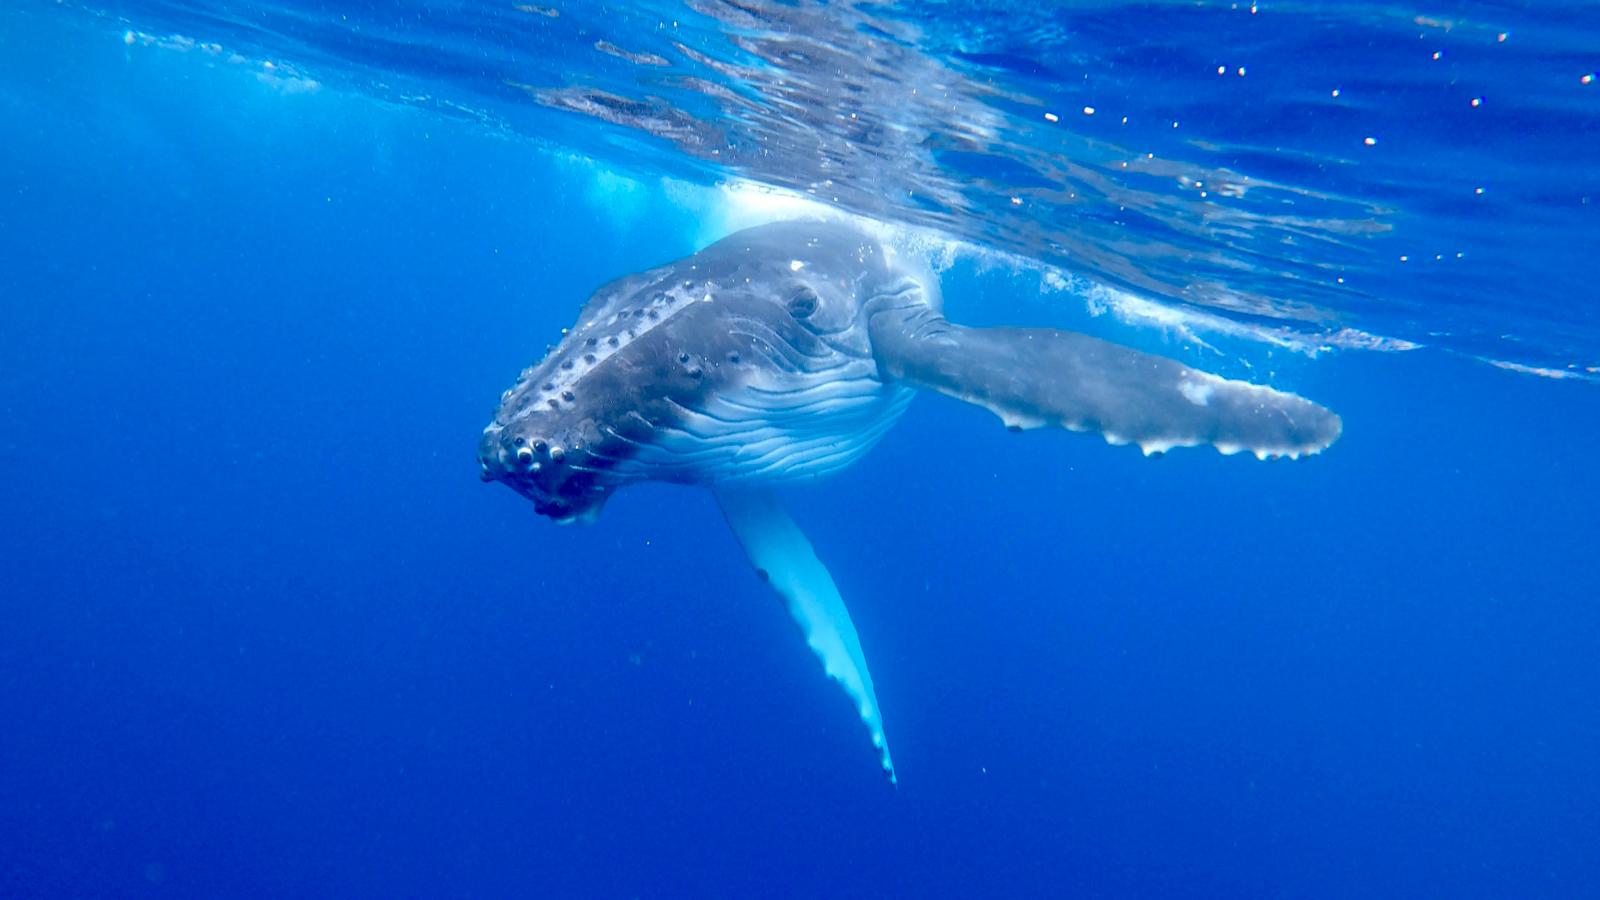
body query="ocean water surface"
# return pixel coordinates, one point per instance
(266, 267)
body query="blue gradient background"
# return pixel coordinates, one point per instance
(264, 633)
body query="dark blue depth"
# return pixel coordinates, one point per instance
(264, 633)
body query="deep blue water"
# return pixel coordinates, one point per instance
(265, 634)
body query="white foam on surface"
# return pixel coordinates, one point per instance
(1589, 373)
(1190, 324)
(741, 204)
(736, 204)
(279, 76)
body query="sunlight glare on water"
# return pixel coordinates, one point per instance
(1359, 175)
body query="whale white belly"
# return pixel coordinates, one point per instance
(774, 427)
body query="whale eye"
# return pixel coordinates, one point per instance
(803, 303)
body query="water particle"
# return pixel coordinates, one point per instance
(1438, 54)
(1241, 71)
(1477, 102)
(1051, 117)
(1222, 70)
(1587, 79)
(1335, 92)
(1088, 110)
(1370, 142)
(1016, 201)
(1501, 37)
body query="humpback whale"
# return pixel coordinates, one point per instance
(785, 352)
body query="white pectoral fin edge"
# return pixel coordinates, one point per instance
(784, 558)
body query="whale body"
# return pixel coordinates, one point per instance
(785, 352)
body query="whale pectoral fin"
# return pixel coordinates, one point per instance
(784, 558)
(1033, 377)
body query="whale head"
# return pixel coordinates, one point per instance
(750, 361)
